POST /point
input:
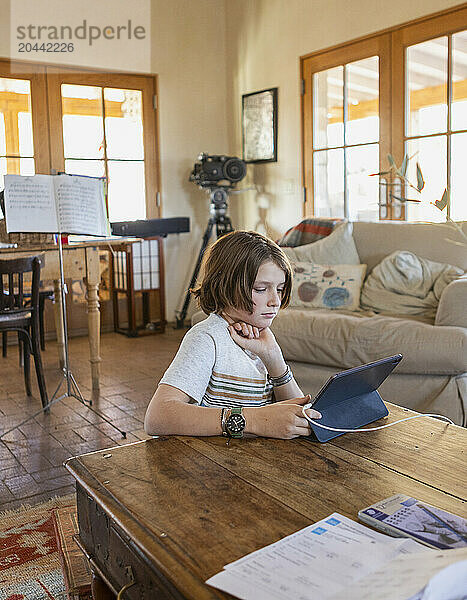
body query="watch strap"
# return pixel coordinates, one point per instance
(225, 414)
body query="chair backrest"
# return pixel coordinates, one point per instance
(12, 271)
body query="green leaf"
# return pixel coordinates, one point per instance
(391, 160)
(403, 199)
(404, 165)
(441, 204)
(420, 181)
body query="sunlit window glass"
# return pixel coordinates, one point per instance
(427, 76)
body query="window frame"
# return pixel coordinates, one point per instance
(390, 45)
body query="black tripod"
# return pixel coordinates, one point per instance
(219, 218)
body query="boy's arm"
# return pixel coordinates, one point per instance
(170, 413)
(288, 390)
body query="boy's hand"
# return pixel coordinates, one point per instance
(280, 420)
(259, 341)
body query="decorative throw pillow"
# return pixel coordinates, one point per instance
(338, 248)
(327, 286)
(308, 231)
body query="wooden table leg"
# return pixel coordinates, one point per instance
(94, 315)
(100, 590)
(59, 325)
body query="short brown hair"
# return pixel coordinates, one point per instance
(230, 269)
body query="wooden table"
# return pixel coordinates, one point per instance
(80, 261)
(169, 513)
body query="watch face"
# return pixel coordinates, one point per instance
(236, 423)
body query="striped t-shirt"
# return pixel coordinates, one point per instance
(214, 371)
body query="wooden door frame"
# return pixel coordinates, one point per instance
(40, 128)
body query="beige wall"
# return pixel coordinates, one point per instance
(265, 39)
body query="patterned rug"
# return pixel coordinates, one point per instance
(30, 567)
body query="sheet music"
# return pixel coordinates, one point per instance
(81, 205)
(30, 204)
(316, 562)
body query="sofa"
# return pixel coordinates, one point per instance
(432, 376)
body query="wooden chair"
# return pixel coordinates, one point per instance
(15, 315)
(43, 296)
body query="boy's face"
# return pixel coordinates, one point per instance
(266, 296)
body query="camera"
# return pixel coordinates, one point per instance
(219, 171)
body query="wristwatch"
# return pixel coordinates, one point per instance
(235, 423)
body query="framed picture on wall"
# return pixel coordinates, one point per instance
(259, 126)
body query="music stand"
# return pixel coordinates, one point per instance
(72, 389)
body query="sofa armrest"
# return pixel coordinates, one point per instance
(452, 308)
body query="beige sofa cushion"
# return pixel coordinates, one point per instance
(338, 248)
(344, 341)
(452, 308)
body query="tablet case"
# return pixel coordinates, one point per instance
(350, 399)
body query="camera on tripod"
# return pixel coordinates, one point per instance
(218, 175)
(218, 171)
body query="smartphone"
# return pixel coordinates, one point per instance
(404, 516)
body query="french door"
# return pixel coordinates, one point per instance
(402, 93)
(84, 123)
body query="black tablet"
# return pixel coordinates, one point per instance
(350, 399)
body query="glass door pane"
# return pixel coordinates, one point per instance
(124, 124)
(459, 81)
(431, 153)
(426, 97)
(328, 108)
(126, 190)
(125, 153)
(362, 83)
(83, 130)
(363, 190)
(458, 187)
(16, 136)
(328, 179)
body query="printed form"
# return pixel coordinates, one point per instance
(316, 562)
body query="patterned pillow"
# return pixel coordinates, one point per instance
(327, 286)
(338, 248)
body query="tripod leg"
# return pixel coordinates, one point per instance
(207, 234)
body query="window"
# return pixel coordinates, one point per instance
(96, 124)
(402, 92)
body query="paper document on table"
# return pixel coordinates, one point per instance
(405, 577)
(316, 562)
